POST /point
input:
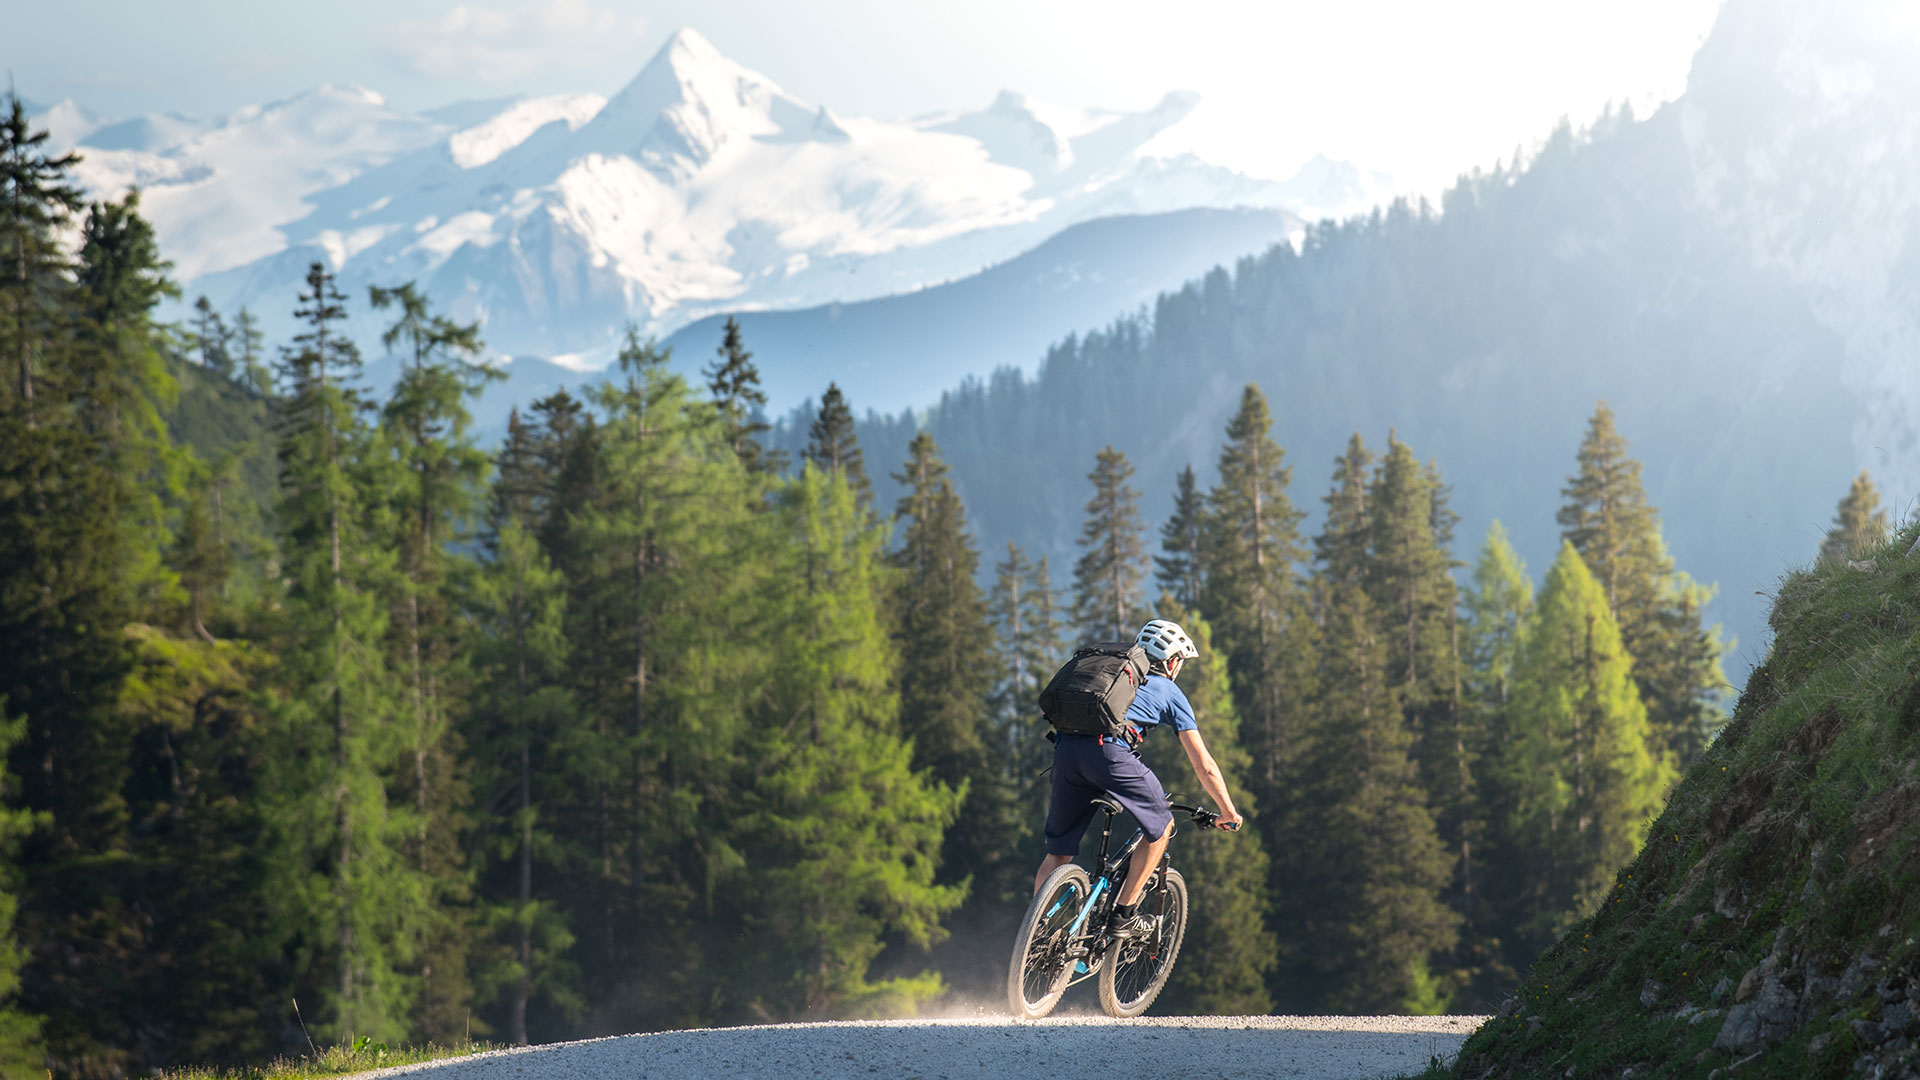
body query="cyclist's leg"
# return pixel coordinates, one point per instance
(1134, 786)
(1069, 811)
(1145, 857)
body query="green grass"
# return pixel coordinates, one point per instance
(334, 1061)
(1768, 835)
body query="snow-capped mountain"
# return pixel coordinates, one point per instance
(701, 186)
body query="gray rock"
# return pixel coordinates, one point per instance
(1856, 977)
(1762, 1021)
(1819, 1043)
(1721, 988)
(1650, 993)
(1898, 1017)
(1868, 1033)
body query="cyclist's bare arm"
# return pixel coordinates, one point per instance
(1210, 778)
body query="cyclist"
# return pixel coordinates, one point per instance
(1084, 766)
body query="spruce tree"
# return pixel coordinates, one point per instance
(1608, 520)
(431, 477)
(735, 384)
(212, 339)
(1026, 618)
(37, 198)
(249, 340)
(831, 444)
(1575, 760)
(1179, 571)
(347, 874)
(1108, 577)
(516, 735)
(1257, 605)
(1230, 949)
(1498, 604)
(1409, 579)
(1858, 523)
(946, 666)
(1341, 547)
(842, 832)
(1371, 918)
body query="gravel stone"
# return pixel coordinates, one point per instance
(1060, 1048)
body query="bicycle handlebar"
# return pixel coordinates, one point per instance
(1204, 817)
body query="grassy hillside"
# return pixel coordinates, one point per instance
(1769, 926)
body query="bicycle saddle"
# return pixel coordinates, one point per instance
(1112, 808)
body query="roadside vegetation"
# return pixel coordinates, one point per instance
(1768, 927)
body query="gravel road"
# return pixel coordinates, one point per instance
(1057, 1048)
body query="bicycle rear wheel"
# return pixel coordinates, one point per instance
(1038, 972)
(1136, 970)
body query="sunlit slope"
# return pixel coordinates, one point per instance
(1772, 917)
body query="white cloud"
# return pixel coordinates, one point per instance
(501, 46)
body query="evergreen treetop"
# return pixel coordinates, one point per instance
(735, 384)
(1107, 578)
(1179, 571)
(1858, 523)
(37, 197)
(832, 446)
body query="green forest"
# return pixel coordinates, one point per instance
(324, 720)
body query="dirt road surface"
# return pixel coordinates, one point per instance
(1058, 1048)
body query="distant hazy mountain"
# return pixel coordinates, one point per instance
(699, 187)
(1736, 273)
(902, 351)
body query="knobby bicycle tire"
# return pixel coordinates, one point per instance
(1135, 972)
(1038, 971)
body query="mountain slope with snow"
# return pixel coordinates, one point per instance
(699, 187)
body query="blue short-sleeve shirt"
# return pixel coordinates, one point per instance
(1161, 701)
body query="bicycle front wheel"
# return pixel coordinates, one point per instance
(1038, 972)
(1136, 970)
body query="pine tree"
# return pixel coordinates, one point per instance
(517, 733)
(1607, 519)
(1257, 605)
(1341, 547)
(346, 871)
(431, 476)
(1575, 759)
(832, 446)
(1375, 917)
(211, 339)
(1411, 589)
(1107, 578)
(735, 384)
(1230, 950)
(1858, 523)
(1179, 571)
(1027, 624)
(940, 629)
(247, 335)
(118, 384)
(37, 197)
(843, 835)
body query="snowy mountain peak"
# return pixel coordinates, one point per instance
(688, 104)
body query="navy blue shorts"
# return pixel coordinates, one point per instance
(1085, 767)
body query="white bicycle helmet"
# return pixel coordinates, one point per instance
(1164, 640)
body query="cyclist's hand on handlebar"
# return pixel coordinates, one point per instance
(1229, 820)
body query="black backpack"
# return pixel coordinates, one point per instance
(1089, 695)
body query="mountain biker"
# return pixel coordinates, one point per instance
(1085, 766)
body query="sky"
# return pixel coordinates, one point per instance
(1420, 90)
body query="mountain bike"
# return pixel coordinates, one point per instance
(1064, 940)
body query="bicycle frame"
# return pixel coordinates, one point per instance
(1087, 948)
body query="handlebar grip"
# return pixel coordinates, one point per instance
(1232, 826)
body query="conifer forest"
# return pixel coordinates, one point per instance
(326, 717)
